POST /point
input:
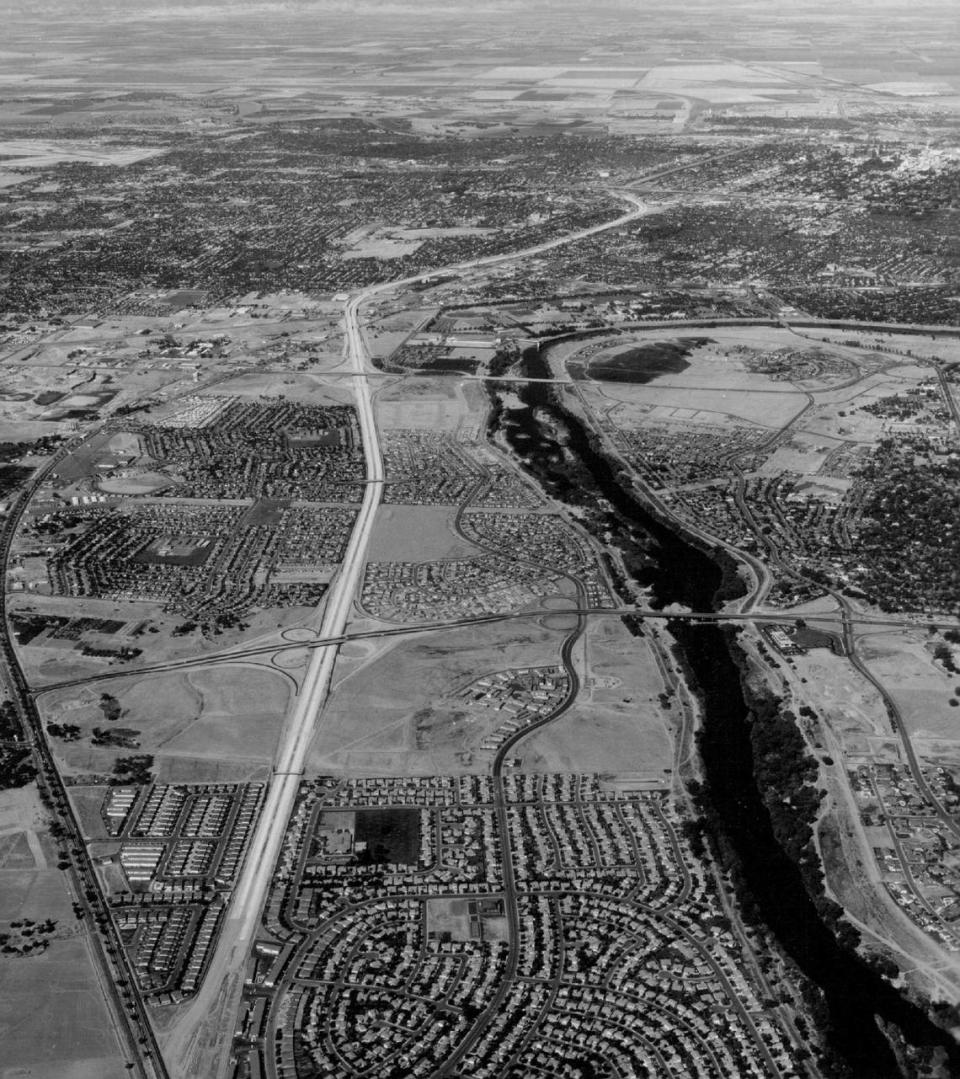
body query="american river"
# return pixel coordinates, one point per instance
(558, 450)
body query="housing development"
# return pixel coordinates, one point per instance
(479, 533)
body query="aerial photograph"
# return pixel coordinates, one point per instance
(480, 534)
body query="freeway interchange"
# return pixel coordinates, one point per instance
(199, 1042)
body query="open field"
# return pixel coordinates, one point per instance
(617, 723)
(53, 1021)
(304, 389)
(804, 454)
(924, 346)
(849, 704)
(416, 534)
(592, 739)
(35, 153)
(921, 687)
(437, 404)
(45, 665)
(87, 803)
(227, 716)
(656, 404)
(391, 712)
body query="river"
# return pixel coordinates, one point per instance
(557, 448)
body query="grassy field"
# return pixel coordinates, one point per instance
(45, 665)
(391, 835)
(86, 804)
(617, 724)
(223, 717)
(921, 688)
(304, 389)
(380, 700)
(415, 534)
(53, 1022)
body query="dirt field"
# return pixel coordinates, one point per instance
(134, 482)
(849, 704)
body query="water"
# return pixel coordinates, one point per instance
(678, 571)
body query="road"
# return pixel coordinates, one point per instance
(264, 652)
(197, 1046)
(128, 1014)
(200, 1041)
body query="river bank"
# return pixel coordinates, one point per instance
(856, 1004)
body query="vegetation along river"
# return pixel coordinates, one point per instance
(558, 448)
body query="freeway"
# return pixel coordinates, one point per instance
(269, 651)
(199, 1043)
(197, 1046)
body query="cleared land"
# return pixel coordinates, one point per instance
(848, 703)
(434, 404)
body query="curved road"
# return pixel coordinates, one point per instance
(199, 1042)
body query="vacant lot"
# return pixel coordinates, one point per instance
(617, 724)
(221, 716)
(53, 1021)
(430, 403)
(921, 688)
(370, 723)
(846, 700)
(416, 534)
